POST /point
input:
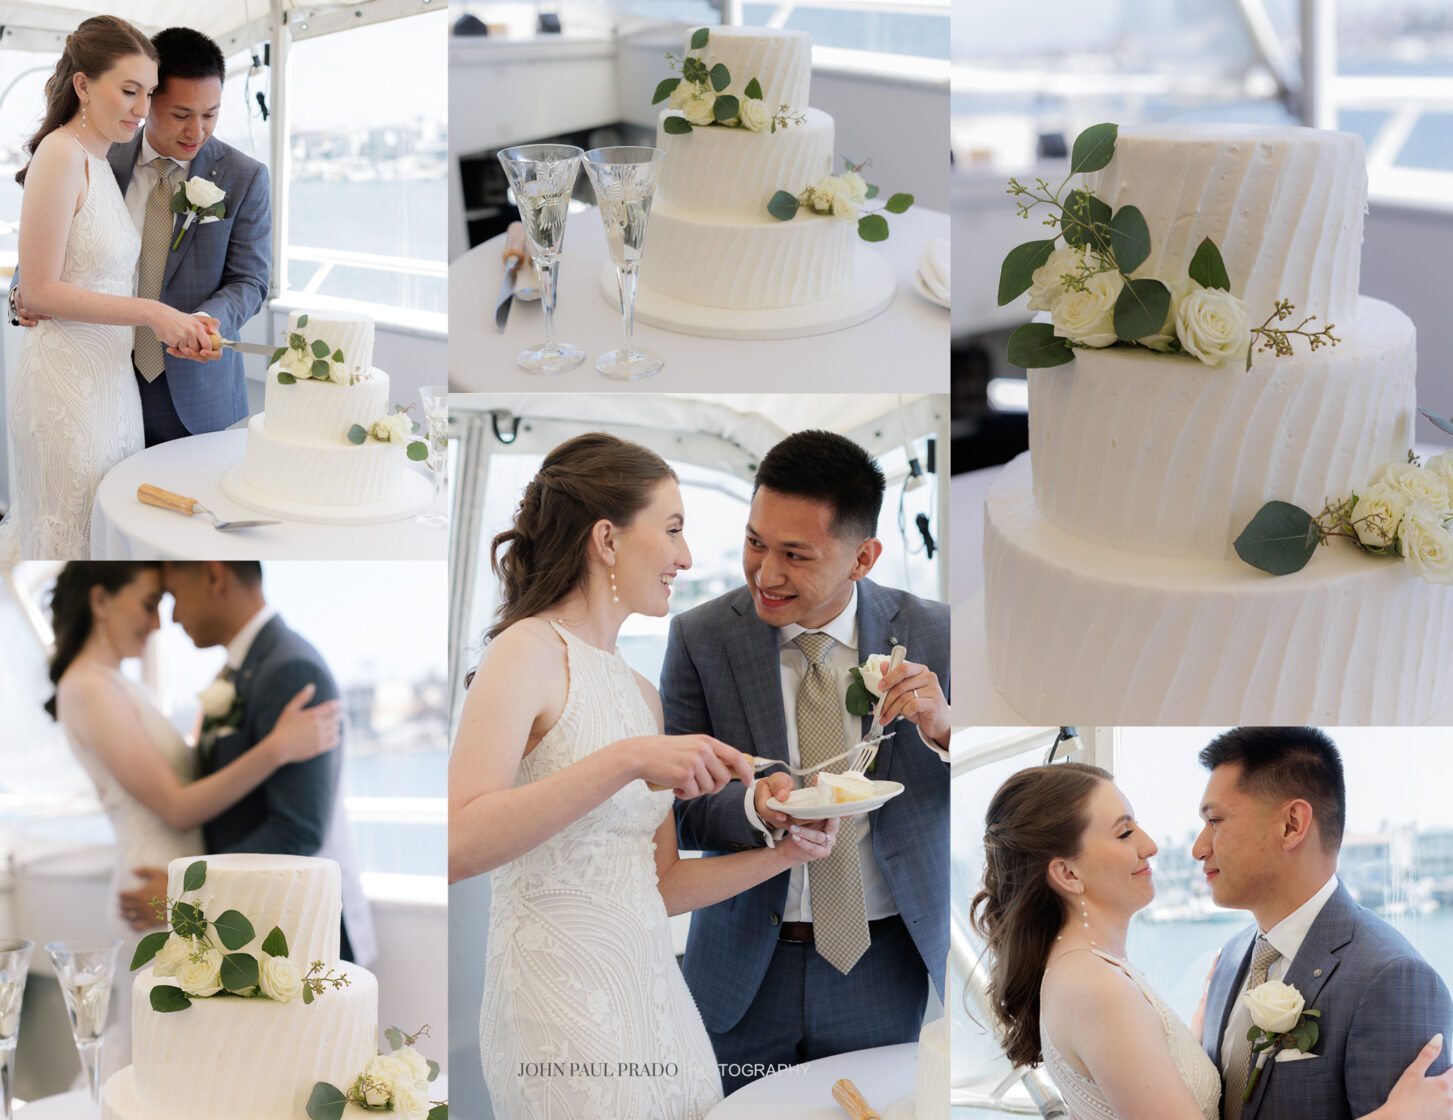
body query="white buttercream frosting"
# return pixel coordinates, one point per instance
(931, 1079)
(323, 411)
(348, 331)
(340, 473)
(1079, 632)
(1283, 205)
(1163, 455)
(779, 59)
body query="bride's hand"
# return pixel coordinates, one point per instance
(1417, 1096)
(808, 841)
(690, 765)
(207, 354)
(177, 330)
(301, 732)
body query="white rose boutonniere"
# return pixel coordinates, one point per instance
(1088, 316)
(1280, 1021)
(198, 198)
(1212, 324)
(217, 698)
(871, 673)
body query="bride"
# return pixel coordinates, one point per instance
(74, 408)
(1065, 867)
(141, 767)
(585, 1011)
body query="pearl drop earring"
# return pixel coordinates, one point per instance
(1084, 912)
(614, 596)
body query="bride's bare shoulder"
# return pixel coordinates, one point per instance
(532, 638)
(1078, 980)
(84, 692)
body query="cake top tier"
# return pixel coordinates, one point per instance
(1283, 205)
(780, 60)
(300, 895)
(348, 331)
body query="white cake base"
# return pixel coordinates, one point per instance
(413, 496)
(1080, 633)
(872, 289)
(118, 1102)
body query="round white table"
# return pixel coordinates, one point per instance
(122, 528)
(883, 1075)
(904, 348)
(63, 1106)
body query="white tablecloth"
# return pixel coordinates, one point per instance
(883, 1075)
(905, 348)
(62, 1106)
(122, 528)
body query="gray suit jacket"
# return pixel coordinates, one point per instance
(1380, 1003)
(298, 810)
(721, 677)
(220, 268)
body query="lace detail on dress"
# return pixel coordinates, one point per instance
(75, 410)
(581, 981)
(1083, 1096)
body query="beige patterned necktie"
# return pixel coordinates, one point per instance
(839, 912)
(1238, 1064)
(156, 239)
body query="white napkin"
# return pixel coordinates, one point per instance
(933, 267)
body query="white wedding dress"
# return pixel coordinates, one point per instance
(581, 980)
(74, 409)
(142, 840)
(1083, 1096)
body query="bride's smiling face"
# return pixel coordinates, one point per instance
(1114, 860)
(130, 616)
(117, 102)
(650, 551)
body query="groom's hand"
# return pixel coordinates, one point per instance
(138, 906)
(776, 786)
(208, 355)
(912, 692)
(20, 316)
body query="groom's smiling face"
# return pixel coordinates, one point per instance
(1238, 843)
(183, 115)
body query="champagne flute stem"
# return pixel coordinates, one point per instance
(547, 270)
(6, 1082)
(90, 1053)
(626, 278)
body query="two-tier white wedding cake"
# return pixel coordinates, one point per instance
(1113, 592)
(232, 1058)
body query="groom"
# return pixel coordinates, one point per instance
(219, 269)
(296, 810)
(1274, 808)
(809, 964)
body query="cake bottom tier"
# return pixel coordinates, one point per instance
(747, 263)
(227, 1058)
(119, 1102)
(1081, 633)
(325, 474)
(931, 1081)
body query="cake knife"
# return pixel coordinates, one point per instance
(165, 499)
(851, 1101)
(514, 257)
(220, 343)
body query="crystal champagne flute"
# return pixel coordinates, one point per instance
(542, 177)
(436, 424)
(14, 965)
(86, 971)
(625, 182)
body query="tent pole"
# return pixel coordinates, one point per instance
(278, 145)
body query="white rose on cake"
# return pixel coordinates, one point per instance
(856, 186)
(217, 699)
(1088, 316)
(172, 955)
(414, 1062)
(754, 114)
(1378, 514)
(201, 974)
(1212, 325)
(297, 364)
(410, 1102)
(699, 105)
(395, 427)
(1417, 484)
(1427, 544)
(1442, 466)
(1048, 282)
(679, 96)
(203, 193)
(1274, 1006)
(278, 977)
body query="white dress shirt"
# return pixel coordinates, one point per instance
(793, 668)
(241, 641)
(144, 179)
(1286, 938)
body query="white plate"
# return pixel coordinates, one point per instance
(882, 792)
(922, 289)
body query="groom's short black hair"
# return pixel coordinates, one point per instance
(1288, 762)
(248, 572)
(827, 467)
(187, 54)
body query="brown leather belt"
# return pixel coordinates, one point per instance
(800, 933)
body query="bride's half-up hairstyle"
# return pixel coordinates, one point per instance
(541, 558)
(91, 49)
(70, 606)
(1038, 815)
